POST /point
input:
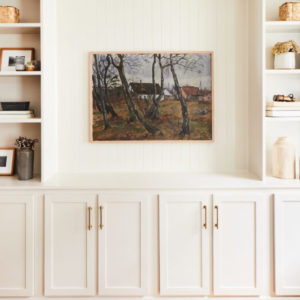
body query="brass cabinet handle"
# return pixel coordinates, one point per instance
(90, 225)
(205, 220)
(101, 217)
(217, 212)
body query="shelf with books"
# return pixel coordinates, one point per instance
(37, 29)
(279, 118)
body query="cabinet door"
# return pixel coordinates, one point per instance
(287, 244)
(184, 244)
(16, 245)
(237, 257)
(122, 244)
(70, 244)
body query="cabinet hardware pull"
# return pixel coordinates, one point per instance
(217, 212)
(90, 225)
(101, 217)
(205, 220)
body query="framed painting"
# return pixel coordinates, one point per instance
(166, 96)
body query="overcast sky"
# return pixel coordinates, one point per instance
(199, 75)
(138, 67)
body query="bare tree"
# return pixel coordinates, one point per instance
(153, 112)
(184, 109)
(99, 94)
(109, 80)
(153, 77)
(120, 69)
(96, 99)
(129, 99)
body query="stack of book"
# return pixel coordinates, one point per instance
(16, 114)
(283, 109)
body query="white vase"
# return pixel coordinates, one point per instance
(284, 159)
(285, 61)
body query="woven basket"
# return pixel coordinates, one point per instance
(289, 11)
(9, 14)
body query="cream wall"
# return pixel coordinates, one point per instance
(137, 25)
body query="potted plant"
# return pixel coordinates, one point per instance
(30, 66)
(25, 157)
(285, 55)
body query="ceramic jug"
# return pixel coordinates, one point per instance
(284, 159)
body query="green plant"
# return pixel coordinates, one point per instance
(285, 47)
(29, 63)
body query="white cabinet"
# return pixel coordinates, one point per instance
(287, 244)
(184, 244)
(237, 249)
(16, 245)
(185, 240)
(70, 244)
(122, 244)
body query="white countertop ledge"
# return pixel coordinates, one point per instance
(148, 181)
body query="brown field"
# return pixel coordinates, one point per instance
(169, 123)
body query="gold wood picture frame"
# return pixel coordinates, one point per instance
(151, 96)
(9, 57)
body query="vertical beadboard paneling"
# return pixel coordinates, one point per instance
(137, 25)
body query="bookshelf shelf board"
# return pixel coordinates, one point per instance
(283, 26)
(20, 121)
(15, 73)
(282, 119)
(282, 72)
(20, 28)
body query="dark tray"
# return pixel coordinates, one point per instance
(15, 105)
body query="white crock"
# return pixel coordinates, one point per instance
(285, 61)
(284, 158)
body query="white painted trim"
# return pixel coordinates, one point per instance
(159, 298)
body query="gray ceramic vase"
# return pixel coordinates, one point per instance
(25, 159)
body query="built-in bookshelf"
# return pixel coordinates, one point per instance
(281, 82)
(37, 29)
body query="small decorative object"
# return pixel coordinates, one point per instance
(282, 98)
(289, 11)
(30, 66)
(157, 96)
(9, 14)
(10, 57)
(285, 55)
(25, 157)
(284, 159)
(20, 67)
(7, 161)
(16, 106)
(37, 65)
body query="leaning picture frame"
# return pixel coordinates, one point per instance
(9, 57)
(7, 161)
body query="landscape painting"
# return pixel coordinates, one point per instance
(151, 96)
